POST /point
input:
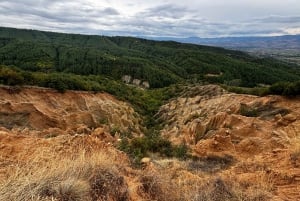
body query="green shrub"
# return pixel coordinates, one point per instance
(180, 151)
(257, 91)
(56, 82)
(293, 89)
(278, 88)
(249, 112)
(140, 147)
(285, 88)
(10, 77)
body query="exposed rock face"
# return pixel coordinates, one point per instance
(41, 109)
(250, 128)
(192, 119)
(126, 79)
(245, 147)
(41, 128)
(136, 82)
(146, 84)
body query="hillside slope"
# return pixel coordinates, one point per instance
(41, 110)
(260, 133)
(159, 63)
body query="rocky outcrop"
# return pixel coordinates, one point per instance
(41, 109)
(260, 133)
(136, 82)
(192, 119)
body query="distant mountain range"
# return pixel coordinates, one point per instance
(285, 47)
(287, 42)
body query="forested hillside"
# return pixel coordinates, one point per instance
(159, 63)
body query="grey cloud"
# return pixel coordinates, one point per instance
(111, 11)
(166, 11)
(62, 13)
(54, 16)
(176, 19)
(278, 19)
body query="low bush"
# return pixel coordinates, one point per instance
(249, 111)
(285, 88)
(257, 91)
(10, 76)
(140, 147)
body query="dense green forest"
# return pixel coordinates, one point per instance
(160, 63)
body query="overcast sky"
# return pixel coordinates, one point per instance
(176, 18)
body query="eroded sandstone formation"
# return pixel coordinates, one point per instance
(263, 131)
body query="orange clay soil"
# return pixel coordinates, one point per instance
(57, 146)
(262, 134)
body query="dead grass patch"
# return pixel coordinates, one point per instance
(88, 177)
(230, 189)
(211, 163)
(295, 151)
(159, 186)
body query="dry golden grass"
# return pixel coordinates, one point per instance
(88, 176)
(178, 183)
(83, 172)
(158, 186)
(230, 189)
(295, 150)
